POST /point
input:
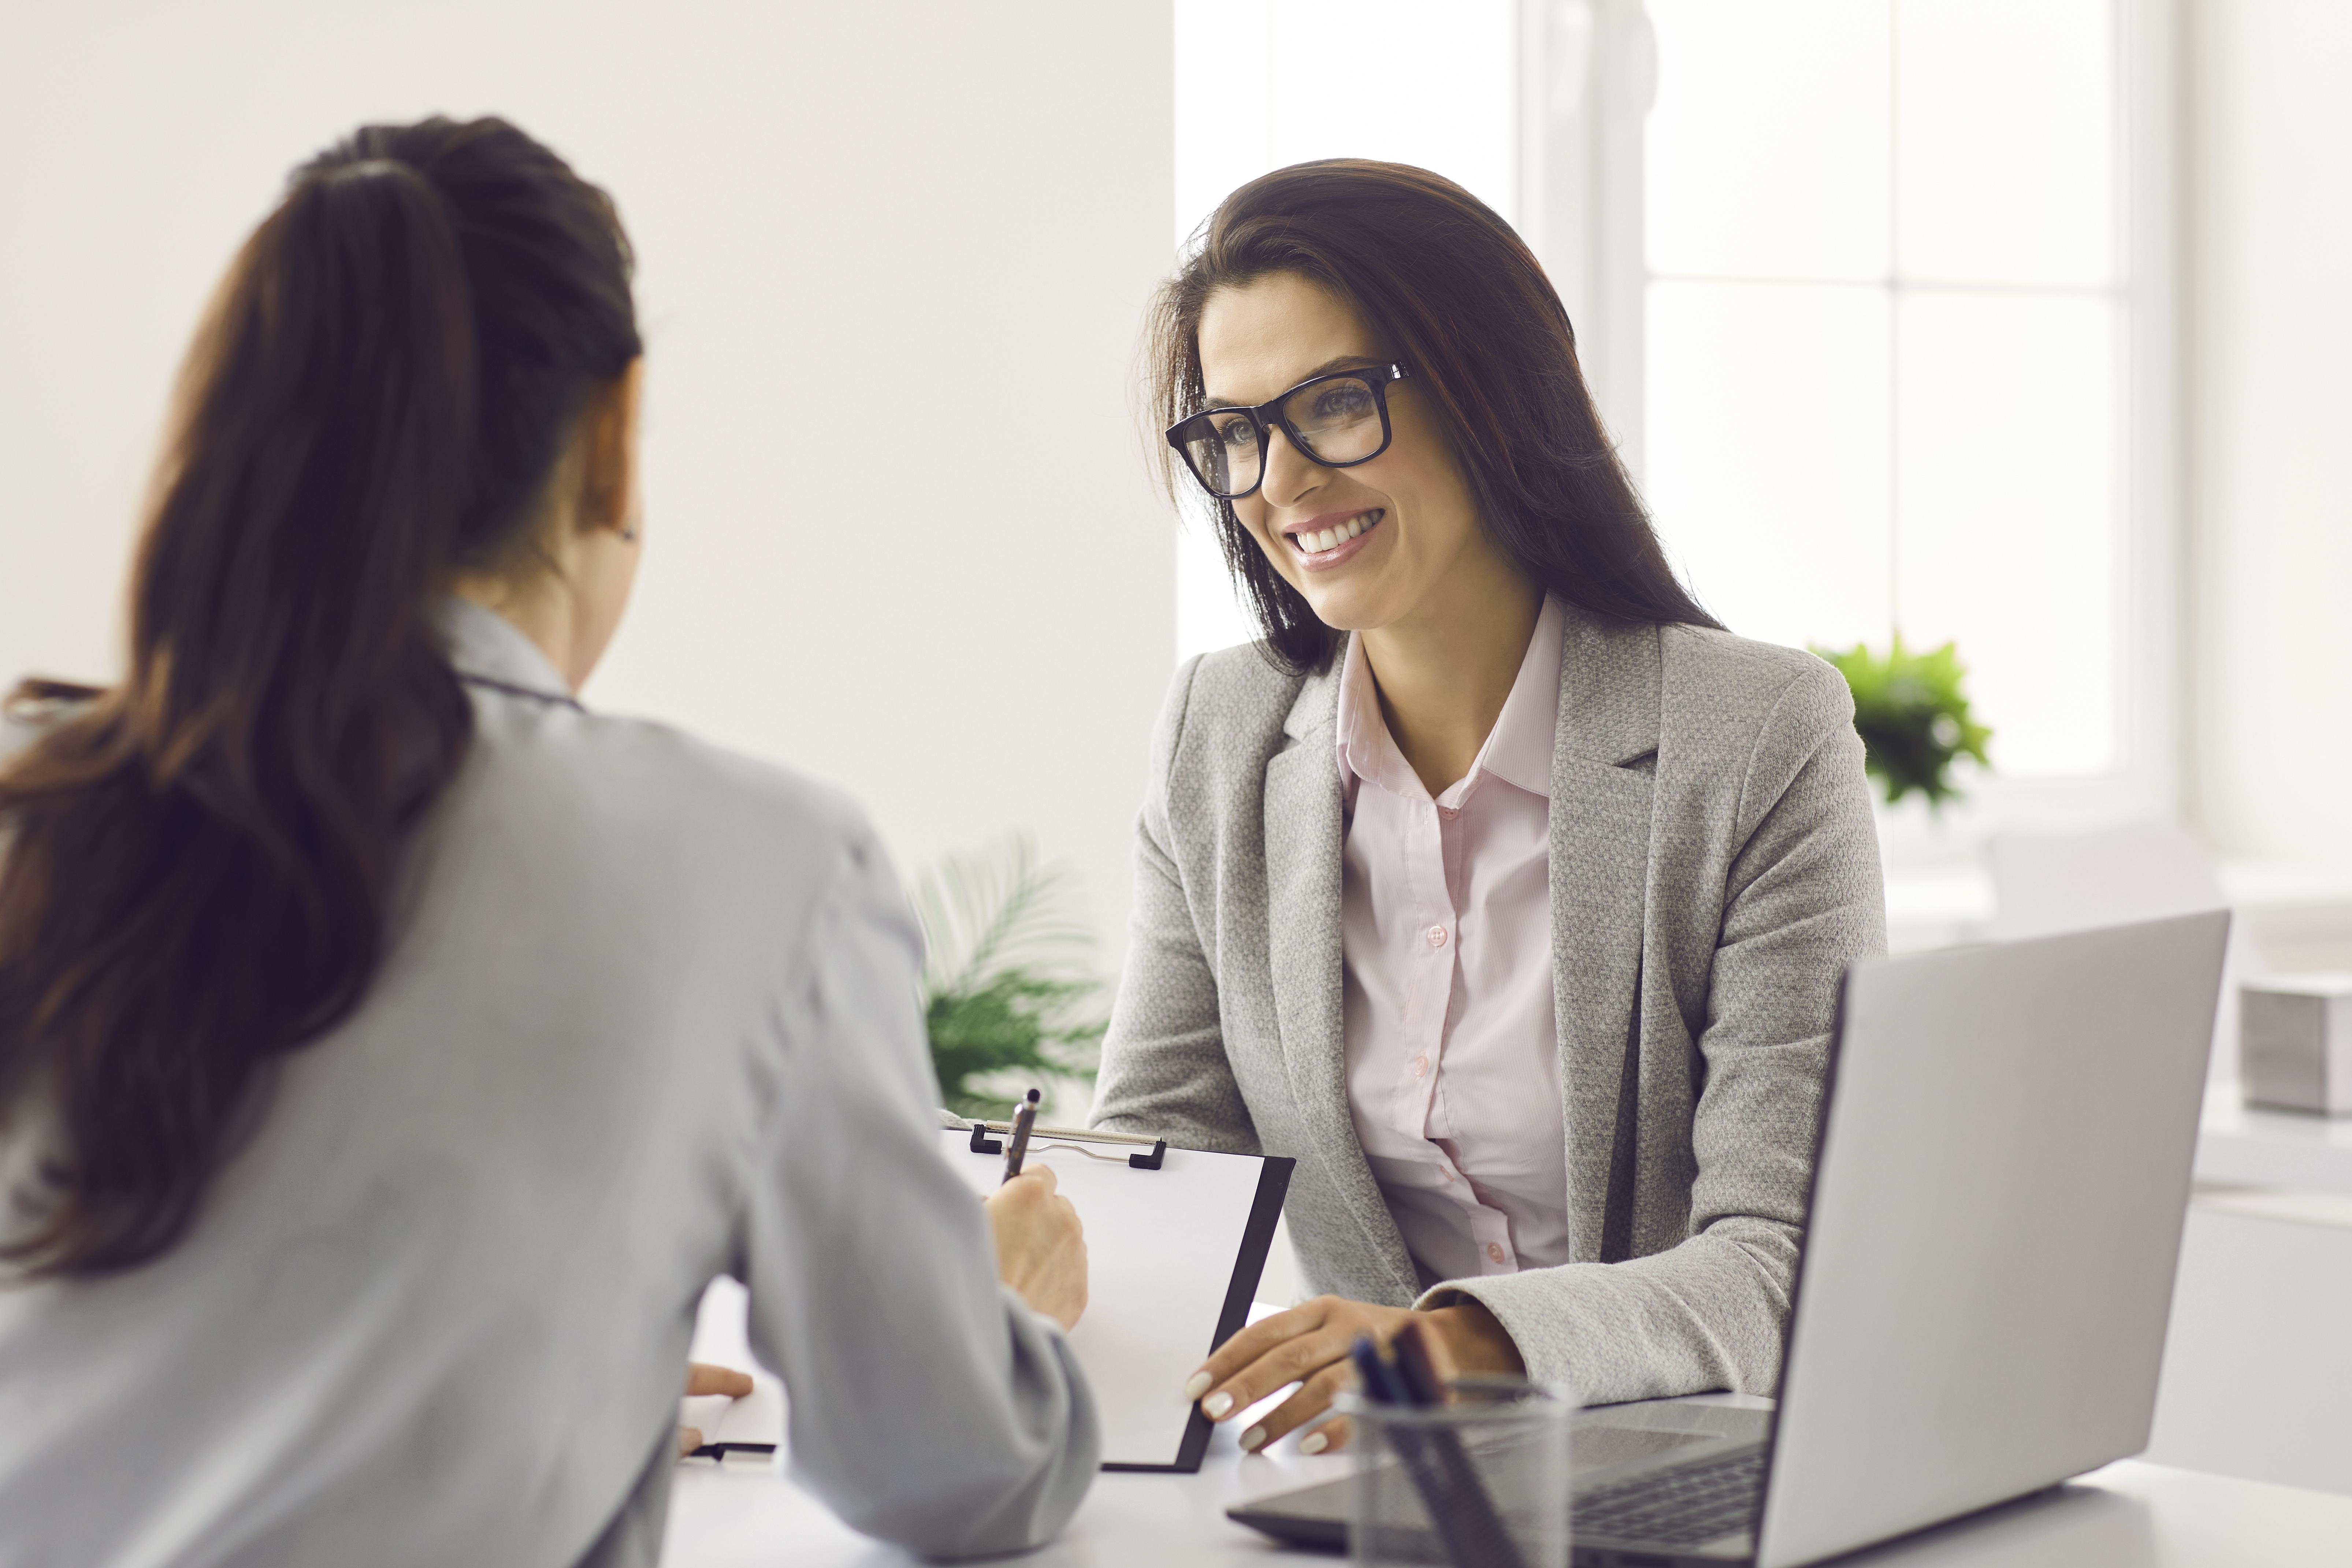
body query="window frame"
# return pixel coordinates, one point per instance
(1588, 74)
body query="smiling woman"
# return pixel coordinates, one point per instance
(1498, 885)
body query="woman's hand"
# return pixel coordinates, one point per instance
(701, 1377)
(1041, 1247)
(1308, 1345)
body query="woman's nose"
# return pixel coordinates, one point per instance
(1289, 473)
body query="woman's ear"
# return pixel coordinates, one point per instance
(608, 472)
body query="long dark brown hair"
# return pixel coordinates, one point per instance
(199, 863)
(1448, 286)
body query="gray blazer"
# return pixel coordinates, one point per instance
(649, 1016)
(1714, 869)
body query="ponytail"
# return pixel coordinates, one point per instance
(197, 867)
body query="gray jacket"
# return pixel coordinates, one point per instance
(1714, 869)
(649, 1018)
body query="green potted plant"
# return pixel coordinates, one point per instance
(1912, 716)
(1008, 992)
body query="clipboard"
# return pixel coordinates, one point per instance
(1176, 1240)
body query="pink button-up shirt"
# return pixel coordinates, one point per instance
(1446, 939)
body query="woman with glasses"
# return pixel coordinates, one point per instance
(1497, 884)
(392, 1050)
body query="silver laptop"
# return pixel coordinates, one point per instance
(1996, 1213)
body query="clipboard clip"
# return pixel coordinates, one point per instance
(981, 1143)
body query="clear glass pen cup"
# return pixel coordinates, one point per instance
(1481, 1481)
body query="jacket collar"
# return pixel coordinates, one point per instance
(488, 650)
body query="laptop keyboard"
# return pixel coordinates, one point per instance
(1680, 1506)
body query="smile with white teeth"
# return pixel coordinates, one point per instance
(1315, 543)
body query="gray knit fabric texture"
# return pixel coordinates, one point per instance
(1714, 869)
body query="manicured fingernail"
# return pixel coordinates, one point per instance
(1218, 1404)
(1195, 1387)
(1252, 1438)
(1313, 1443)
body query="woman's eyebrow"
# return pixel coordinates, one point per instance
(1345, 362)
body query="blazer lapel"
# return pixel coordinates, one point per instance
(1601, 811)
(1302, 829)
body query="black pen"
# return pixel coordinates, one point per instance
(1416, 1378)
(1468, 1529)
(1025, 1117)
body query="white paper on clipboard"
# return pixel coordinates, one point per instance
(1170, 1254)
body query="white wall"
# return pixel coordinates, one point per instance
(2270, 418)
(894, 261)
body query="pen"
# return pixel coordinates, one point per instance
(1025, 1117)
(1416, 1375)
(1468, 1529)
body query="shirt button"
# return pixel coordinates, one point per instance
(1419, 1066)
(1449, 812)
(1437, 936)
(1445, 1173)
(1495, 1252)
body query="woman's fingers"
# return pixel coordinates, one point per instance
(701, 1377)
(1331, 1436)
(689, 1438)
(1295, 1360)
(1313, 1398)
(1041, 1246)
(1246, 1347)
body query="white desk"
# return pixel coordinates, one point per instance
(2129, 1515)
(2272, 1148)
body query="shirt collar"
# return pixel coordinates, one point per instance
(485, 646)
(1519, 750)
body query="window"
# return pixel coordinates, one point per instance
(1873, 294)
(1883, 312)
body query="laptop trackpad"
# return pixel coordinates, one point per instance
(1595, 1448)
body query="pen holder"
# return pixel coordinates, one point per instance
(1480, 1482)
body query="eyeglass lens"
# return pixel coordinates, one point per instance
(1338, 421)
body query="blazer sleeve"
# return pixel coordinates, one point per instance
(929, 1406)
(1164, 1070)
(1803, 897)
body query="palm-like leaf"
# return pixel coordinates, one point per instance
(986, 912)
(1007, 972)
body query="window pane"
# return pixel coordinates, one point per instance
(1383, 78)
(1221, 103)
(1767, 453)
(2006, 469)
(2004, 140)
(1767, 151)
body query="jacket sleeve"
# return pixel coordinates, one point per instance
(929, 1406)
(1803, 899)
(1164, 1070)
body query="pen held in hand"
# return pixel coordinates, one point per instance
(1025, 1117)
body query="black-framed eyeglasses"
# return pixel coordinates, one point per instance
(1336, 420)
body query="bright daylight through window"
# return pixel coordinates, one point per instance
(1882, 309)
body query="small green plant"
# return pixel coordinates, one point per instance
(1009, 989)
(1912, 717)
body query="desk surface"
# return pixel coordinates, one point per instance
(2129, 1515)
(2272, 1148)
